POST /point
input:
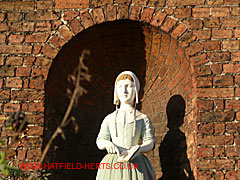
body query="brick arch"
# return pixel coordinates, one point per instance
(168, 64)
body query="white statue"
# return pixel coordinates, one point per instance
(120, 133)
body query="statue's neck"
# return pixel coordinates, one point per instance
(125, 107)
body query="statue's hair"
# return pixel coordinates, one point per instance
(123, 77)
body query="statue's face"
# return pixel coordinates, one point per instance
(126, 91)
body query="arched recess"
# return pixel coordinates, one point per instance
(162, 67)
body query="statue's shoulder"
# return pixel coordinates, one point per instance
(140, 115)
(110, 116)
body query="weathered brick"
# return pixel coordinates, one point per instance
(3, 27)
(215, 92)
(140, 2)
(221, 33)
(1, 60)
(2, 16)
(219, 56)
(21, 26)
(219, 128)
(71, 4)
(98, 15)
(37, 38)
(204, 81)
(233, 175)
(123, 11)
(29, 60)
(205, 104)
(231, 1)
(235, 11)
(16, 38)
(158, 19)
(147, 15)
(211, 23)
(111, 13)
(223, 80)
(156, 3)
(36, 84)
(40, 72)
(27, 95)
(237, 33)
(42, 26)
(220, 12)
(96, 3)
(231, 68)
(182, 12)
(219, 152)
(66, 32)
(68, 15)
(57, 41)
(237, 79)
(194, 23)
(230, 22)
(15, 16)
(35, 131)
(15, 49)
(56, 24)
(1, 83)
(206, 128)
(202, 70)
(202, 34)
(6, 71)
(215, 140)
(4, 95)
(199, 59)
(42, 15)
(44, 5)
(216, 116)
(14, 61)
(214, 2)
(17, 5)
(31, 142)
(135, 12)
(22, 154)
(76, 26)
(13, 83)
(184, 3)
(235, 56)
(200, 12)
(217, 68)
(49, 51)
(34, 154)
(232, 104)
(205, 152)
(178, 31)
(23, 71)
(193, 49)
(231, 44)
(2, 38)
(10, 107)
(233, 127)
(211, 45)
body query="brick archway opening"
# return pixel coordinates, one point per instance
(159, 62)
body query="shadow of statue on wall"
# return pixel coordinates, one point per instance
(172, 151)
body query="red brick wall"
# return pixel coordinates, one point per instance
(32, 33)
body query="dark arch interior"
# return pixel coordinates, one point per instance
(161, 66)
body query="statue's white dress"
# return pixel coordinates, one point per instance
(121, 134)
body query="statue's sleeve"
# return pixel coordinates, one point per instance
(104, 134)
(147, 136)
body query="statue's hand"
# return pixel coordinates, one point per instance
(110, 147)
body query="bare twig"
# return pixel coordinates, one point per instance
(80, 74)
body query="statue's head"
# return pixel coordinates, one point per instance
(126, 88)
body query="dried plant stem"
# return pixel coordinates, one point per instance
(73, 99)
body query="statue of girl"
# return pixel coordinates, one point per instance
(120, 134)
